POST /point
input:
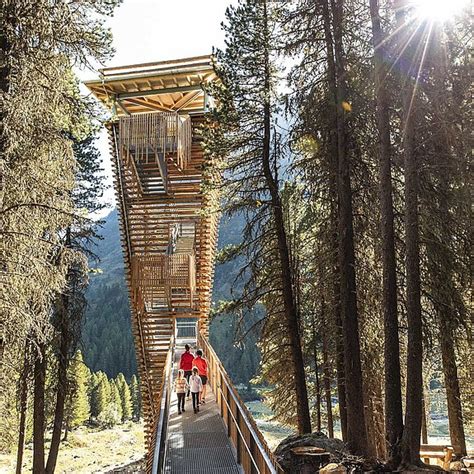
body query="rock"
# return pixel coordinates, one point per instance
(333, 468)
(290, 461)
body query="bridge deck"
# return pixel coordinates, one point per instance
(198, 443)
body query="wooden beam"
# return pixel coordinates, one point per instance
(167, 90)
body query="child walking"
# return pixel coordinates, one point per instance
(195, 383)
(180, 387)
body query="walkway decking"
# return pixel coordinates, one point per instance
(198, 443)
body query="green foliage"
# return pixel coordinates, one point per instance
(125, 397)
(136, 398)
(77, 405)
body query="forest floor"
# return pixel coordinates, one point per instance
(89, 450)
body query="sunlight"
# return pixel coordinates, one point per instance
(438, 10)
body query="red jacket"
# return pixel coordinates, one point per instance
(201, 364)
(186, 362)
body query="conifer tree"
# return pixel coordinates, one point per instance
(136, 398)
(248, 138)
(77, 405)
(92, 392)
(125, 398)
(102, 394)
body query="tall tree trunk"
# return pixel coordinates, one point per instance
(424, 424)
(356, 427)
(327, 385)
(38, 410)
(453, 393)
(444, 274)
(318, 385)
(393, 391)
(410, 446)
(333, 164)
(291, 314)
(23, 408)
(61, 390)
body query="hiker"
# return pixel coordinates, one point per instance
(195, 384)
(180, 387)
(201, 365)
(186, 363)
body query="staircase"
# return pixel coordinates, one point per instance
(153, 179)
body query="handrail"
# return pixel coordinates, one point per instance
(162, 421)
(253, 452)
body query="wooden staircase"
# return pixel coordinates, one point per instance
(152, 177)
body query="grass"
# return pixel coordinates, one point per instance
(90, 450)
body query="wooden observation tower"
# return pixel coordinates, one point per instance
(168, 224)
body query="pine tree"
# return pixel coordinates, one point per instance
(393, 395)
(102, 396)
(125, 398)
(136, 398)
(248, 138)
(77, 405)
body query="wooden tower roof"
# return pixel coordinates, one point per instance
(160, 86)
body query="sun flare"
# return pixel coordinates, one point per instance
(439, 10)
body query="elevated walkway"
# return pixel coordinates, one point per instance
(197, 443)
(222, 438)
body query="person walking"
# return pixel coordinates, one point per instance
(195, 384)
(201, 364)
(186, 363)
(180, 387)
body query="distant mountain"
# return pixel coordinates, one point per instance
(107, 338)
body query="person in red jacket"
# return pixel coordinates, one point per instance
(186, 364)
(201, 365)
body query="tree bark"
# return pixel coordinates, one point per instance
(453, 394)
(424, 424)
(356, 426)
(318, 385)
(327, 386)
(291, 314)
(61, 386)
(38, 410)
(393, 391)
(410, 445)
(23, 408)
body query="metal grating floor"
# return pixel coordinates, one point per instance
(198, 443)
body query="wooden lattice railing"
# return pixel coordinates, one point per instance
(167, 133)
(157, 275)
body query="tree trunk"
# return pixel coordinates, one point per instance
(291, 315)
(38, 410)
(23, 408)
(393, 391)
(410, 446)
(356, 427)
(327, 386)
(333, 164)
(444, 284)
(424, 424)
(453, 394)
(318, 386)
(63, 358)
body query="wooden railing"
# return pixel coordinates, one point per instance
(159, 274)
(252, 450)
(165, 133)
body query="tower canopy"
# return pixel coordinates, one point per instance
(161, 86)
